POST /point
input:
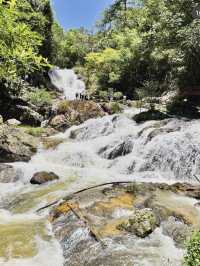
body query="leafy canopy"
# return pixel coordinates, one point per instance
(19, 44)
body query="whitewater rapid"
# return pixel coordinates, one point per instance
(111, 148)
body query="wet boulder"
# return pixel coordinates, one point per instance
(9, 174)
(159, 131)
(111, 152)
(149, 115)
(142, 223)
(177, 230)
(29, 116)
(43, 177)
(16, 144)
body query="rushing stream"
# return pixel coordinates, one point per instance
(112, 148)
(100, 150)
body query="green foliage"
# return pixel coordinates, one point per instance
(35, 131)
(18, 45)
(192, 257)
(138, 43)
(63, 107)
(71, 47)
(39, 97)
(118, 95)
(115, 108)
(103, 95)
(145, 44)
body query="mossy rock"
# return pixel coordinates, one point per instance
(149, 115)
(142, 223)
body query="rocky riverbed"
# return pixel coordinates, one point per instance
(128, 224)
(143, 222)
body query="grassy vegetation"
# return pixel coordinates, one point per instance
(192, 257)
(33, 131)
(63, 107)
(115, 108)
(39, 97)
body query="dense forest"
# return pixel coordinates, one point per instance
(138, 48)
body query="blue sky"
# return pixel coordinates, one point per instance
(77, 13)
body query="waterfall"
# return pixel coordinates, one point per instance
(66, 81)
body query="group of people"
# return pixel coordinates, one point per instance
(82, 96)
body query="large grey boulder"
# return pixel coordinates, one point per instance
(111, 152)
(16, 145)
(29, 116)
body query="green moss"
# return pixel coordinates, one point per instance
(33, 131)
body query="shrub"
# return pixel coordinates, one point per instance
(103, 95)
(118, 95)
(115, 108)
(39, 97)
(192, 257)
(63, 107)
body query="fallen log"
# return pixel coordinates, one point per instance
(70, 196)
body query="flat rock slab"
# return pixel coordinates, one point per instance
(124, 213)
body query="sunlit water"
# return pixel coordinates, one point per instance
(158, 151)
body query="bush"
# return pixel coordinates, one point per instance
(103, 95)
(118, 95)
(192, 257)
(39, 97)
(63, 107)
(115, 108)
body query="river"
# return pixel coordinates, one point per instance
(111, 148)
(100, 150)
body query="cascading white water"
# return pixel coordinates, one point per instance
(102, 150)
(66, 81)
